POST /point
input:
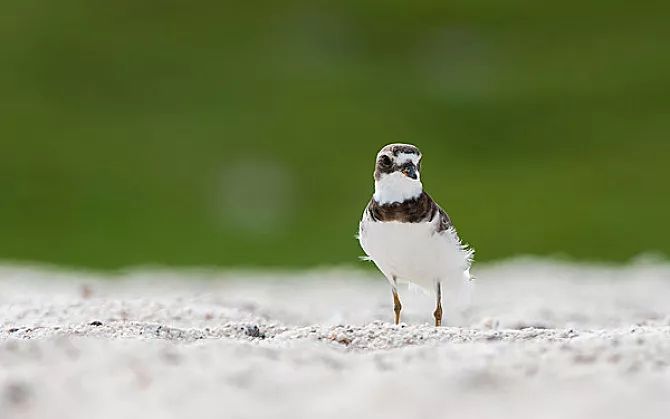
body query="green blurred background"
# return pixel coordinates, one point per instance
(244, 134)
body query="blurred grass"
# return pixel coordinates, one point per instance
(125, 126)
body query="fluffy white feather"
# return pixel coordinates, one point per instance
(416, 253)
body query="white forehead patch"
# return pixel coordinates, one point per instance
(401, 157)
(405, 157)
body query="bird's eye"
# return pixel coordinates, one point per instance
(385, 161)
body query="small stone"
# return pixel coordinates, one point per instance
(254, 332)
(95, 323)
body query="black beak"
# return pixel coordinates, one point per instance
(409, 170)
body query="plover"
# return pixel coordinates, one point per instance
(406, 234)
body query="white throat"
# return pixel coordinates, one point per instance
(396, 187)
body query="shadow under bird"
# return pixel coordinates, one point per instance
(406, 234)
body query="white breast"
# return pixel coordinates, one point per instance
(415, 252)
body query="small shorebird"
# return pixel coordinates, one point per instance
(406, 234)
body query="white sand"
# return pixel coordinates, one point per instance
(541, 340)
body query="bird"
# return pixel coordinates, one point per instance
(406, 234)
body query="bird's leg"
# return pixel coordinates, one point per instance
(396, 305)
(438, 309)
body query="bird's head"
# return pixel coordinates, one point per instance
(397, 173)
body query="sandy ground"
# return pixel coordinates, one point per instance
(540, 340)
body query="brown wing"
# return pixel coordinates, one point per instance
(437, 211)
(445, 221)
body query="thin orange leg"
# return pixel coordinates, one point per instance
(438, 310)
(396, 306)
